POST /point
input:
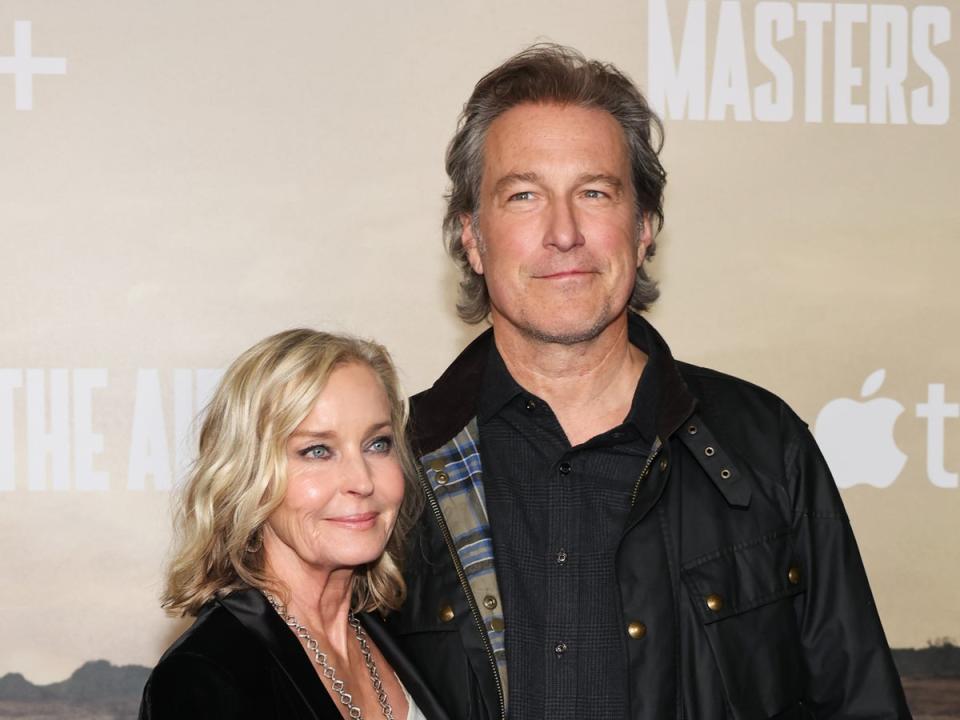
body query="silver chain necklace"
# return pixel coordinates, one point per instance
(329, 672)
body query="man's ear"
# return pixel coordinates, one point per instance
(646, 237)
(471, 243)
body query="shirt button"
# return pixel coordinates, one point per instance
(530, 405)
(560, 648)
(565, 468)
(561, 557)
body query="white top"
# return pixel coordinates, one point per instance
(413, 712)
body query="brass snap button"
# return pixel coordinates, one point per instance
(715, 602)
(793, 575)
(636, 630)
(496, 624)
(663, 464)
(442, 478)
(446, 613)
(489, 602)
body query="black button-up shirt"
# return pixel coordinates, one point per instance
(556, 516)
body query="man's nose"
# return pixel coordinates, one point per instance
(563, 229)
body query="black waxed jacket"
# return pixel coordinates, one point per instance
(742, 590)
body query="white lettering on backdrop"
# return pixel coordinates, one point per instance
(876, 93)
(63, 446)
(23, 65)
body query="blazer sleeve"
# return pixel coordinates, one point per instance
(185, 686)
(850, 670)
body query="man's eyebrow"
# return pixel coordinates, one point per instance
(513, 178)
(532, 177)
(611, 180)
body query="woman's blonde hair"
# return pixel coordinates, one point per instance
(239, 478)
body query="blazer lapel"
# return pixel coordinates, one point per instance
(253, 611)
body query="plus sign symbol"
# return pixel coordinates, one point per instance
(23, 65)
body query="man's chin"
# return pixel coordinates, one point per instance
(566, 333)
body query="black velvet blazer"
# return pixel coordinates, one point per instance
(239, 660)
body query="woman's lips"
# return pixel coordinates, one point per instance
(360, 521)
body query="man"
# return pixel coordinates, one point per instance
(611, 533)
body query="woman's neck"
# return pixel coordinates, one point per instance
(318, 599)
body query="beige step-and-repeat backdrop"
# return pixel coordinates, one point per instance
(180, 179)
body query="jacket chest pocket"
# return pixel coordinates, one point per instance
(743, 596)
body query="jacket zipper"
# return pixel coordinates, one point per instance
(654, 451)
(465, 585)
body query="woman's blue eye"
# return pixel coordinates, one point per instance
(382, 444)
(316, 451)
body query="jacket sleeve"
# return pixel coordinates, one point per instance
(191, 687)
(850, 670)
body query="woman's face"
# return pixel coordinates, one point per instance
(344, 481)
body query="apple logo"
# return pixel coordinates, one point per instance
(856, 438)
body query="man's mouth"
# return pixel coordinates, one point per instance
(564, 274)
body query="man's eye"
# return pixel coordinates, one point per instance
(318, 452)
(524, 195)
(381, 444)
(595, 194)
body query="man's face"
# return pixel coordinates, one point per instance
(559, 241)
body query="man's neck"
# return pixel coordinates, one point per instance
(588, 385)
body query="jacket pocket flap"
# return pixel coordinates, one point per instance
(744, 576)
(424, 618)
(434, 598)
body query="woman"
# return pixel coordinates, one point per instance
(290, 535)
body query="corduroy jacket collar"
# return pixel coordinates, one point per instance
(444, 409)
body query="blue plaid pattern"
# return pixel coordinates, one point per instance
(456, 476)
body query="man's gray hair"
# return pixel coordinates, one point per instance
(548, 73)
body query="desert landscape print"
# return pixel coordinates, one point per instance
(101, 691)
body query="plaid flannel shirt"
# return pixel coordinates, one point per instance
(455, 474)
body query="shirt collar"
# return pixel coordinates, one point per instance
(499, 386)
